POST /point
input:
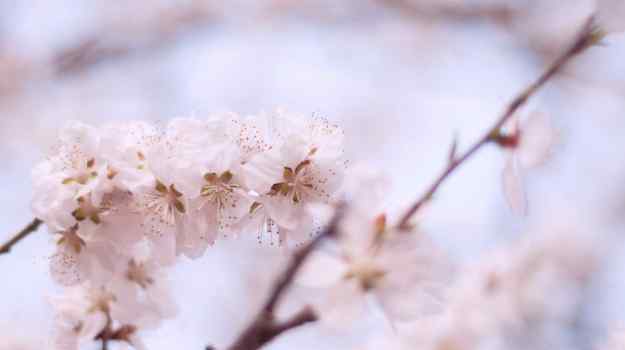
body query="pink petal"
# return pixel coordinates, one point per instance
(537, 140)
(321, 270)
(513, 186)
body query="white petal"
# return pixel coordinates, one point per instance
(63, 339)
(163, 244)
(64, 267)
(303, 230)
(537, 140)
(408, 304)
(344, 304)
(321, 270)
(418, 273)
(262, 171)
(513, 186)
(200, 231)
(284, 212)
(92, 325)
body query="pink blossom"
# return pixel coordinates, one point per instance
(530, 144)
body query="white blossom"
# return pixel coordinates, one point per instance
(304, 166)
(124, 200)
(530, 145)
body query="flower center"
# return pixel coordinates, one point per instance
(71, 239)
(101, 300)
(86, 209)
(83, 176)
(366, 273)
(138, 274)
(219, 188)
(165, 202)
(294, 182)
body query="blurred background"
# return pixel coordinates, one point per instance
(402, 77)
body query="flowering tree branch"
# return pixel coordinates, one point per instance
(587, 36)
(30, 228)
(265, 327)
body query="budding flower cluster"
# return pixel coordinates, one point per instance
(125, 200)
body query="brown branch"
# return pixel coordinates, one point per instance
(108, 334)
(499, 13)
(30, 228)
(161, 31)
(265, 327)
(588, 36)
(166, 29)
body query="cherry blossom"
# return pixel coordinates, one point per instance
(137, 297)
(529, 145)
(81, 314)
(123, 201)
(304, 166)
(404, 272)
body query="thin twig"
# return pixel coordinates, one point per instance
(265, 327)
(499, 13)
(30, 228)
(587, 37)
(165, 30)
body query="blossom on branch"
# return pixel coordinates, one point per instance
(529, 145)
(125, 200)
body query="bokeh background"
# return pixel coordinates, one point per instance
(402, 77)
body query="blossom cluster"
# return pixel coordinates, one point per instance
(125, 200)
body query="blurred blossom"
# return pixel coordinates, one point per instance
(403, 272)
(530, 295)
(529, 144)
